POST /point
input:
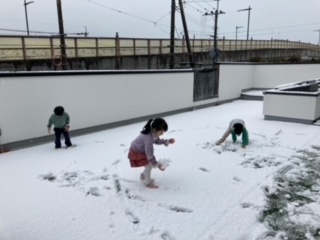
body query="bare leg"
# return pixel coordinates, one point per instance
(146, 176)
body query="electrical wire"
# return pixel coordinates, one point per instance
(38, 32)
(122, 12)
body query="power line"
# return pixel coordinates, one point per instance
(193, 20)
(163, 17)
(24, 31)
(39, 32)
(190, 18)
(290, 26)
(196, 8)
(155, 23)
(141, 18)
(272, 28)
(261, 34)
(122, 12)
(196, 3)
(42, 23)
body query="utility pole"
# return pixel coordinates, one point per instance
(215, 44)
(237, 36)
(173, 13)
(26, 13)
(186, 33)
(215, 40)
(319, 36)
(237, 32)
(215, 36)
(86, 32)
(62, 40)
(247, 9)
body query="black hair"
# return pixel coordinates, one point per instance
(238, 128)
(59, 110)
(157, 124)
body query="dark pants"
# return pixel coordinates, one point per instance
(58, 132)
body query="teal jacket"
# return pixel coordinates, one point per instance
(245, 136)
(59, 121)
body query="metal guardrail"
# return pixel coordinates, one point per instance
(24, 48)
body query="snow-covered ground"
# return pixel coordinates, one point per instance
(255, 93)
(270, 190)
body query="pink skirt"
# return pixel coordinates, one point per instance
(137, 159)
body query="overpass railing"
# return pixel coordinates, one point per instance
(24, 48)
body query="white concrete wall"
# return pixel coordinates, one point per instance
(26, 103)
(317, 108)
(234, 78)
(291, 106)
(271, 75)
(102, 97)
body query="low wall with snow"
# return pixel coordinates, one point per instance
(92, 99)
(271, 75)
(98, 100)
(264, 75)
(299, 102)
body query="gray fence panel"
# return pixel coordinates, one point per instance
(206, 82)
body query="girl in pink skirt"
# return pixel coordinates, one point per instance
(141, 151)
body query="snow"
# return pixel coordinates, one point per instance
(270, 190)
(258, 93)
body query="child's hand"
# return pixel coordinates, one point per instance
(172, 140)
(49, 130)
(161, 167)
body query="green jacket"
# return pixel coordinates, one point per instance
(245, 137)
(59, 121)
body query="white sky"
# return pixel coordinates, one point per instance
(207, 192)
(285, 19)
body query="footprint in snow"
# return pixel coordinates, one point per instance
(116, 162)
(236, 179)
(176, 208)
(133, 196)
(167, 236)
(101, 177)
(49, 177)
(94, 191)
(204, 169)
(117, 183)
(132, 217)
(246, 205)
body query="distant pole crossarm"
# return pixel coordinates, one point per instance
(26, 13)
(237, 32)
(247, 9)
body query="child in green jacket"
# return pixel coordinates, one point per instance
(60, 120)
(236, 128)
